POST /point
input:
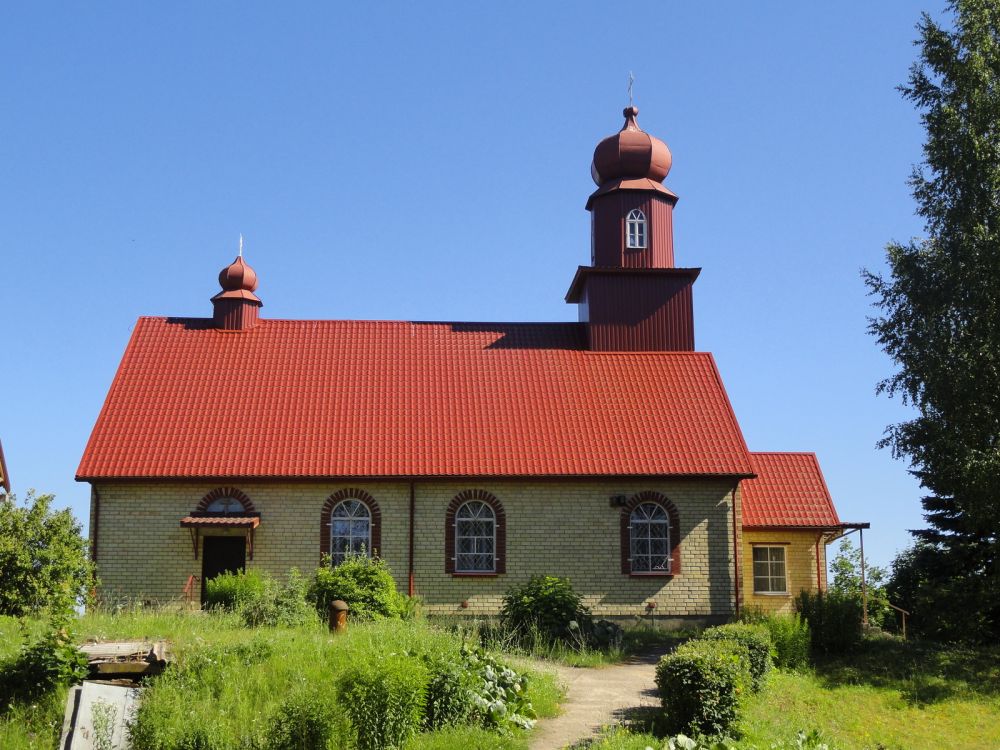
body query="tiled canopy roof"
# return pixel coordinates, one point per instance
(789, 491)
(305, 398)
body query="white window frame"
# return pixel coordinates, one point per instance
(337, 557)
(770, 565)
(458, 537)
(636, 236)
(649, 522)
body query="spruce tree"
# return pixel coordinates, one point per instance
(939, 318)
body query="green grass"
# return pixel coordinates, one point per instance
(888, 695)
(640, 639)
(235, 693)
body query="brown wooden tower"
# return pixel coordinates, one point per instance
(631, 297)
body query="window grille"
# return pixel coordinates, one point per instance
(635, 230)
(649, 534)
(769, 570)
(225, 505)
(475, 538)
(350, 530)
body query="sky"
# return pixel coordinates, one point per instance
(431, 161)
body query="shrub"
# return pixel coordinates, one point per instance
(230, 591)
(385, 700)
(365, 583)
(308, 720)
(43, 557)
(791, 638)
(703, 685)
(40, 667)
(547, 603)
(450, 693)
(283, 604)
(501, 694)
(757, 641)
(834, 620)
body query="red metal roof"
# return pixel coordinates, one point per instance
(310, 398)
(4, 476)
(248, 521)
(789, 491)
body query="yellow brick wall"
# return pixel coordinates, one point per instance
(800, 567)
(565, 528)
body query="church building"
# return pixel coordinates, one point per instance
(468, 455)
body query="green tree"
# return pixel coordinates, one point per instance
(846, 569)
(939, 311)
(43, 557)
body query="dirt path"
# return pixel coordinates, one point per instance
(597, 697)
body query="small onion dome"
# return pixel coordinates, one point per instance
(238, 276)
(630, 154)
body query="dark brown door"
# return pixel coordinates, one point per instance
(221, 554)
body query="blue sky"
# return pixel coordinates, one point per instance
(431, 161)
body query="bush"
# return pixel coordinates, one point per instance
(791, 638)
(365, 583)
(230, 591)
(385, 700)
(43, 558)
(834, 620)
(547, 603)
(703, 685)
(501, 694)
(308, 720)
(450, 693)
(757, 641)
(40, 667)
(279, 605)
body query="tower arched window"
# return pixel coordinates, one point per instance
(635, 230)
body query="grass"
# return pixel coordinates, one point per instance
(888, 695)
(271, 663)
(636, 640)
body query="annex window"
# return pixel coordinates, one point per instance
(350, 530)
(649, 537)
(350, 523)
(769, 570)
(635, 230)
(475, 538)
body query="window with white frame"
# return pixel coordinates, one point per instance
(635, 230)
(350, 530)
(649, 535)
(475, 538)
(769, 570)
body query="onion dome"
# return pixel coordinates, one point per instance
(630, 154)
(238, 276)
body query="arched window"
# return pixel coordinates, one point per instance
(475, 535)
(649, 539)
(225, 505)
(225, 501)
(650, 536)
(350, 530)
(350, 523)
(475, 538)
(635, 230)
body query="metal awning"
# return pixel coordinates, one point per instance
(196, 523)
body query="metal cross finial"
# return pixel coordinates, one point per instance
(631, 80)
(241, 244)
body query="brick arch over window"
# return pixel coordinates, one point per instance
(333, 501)
(648, 496)
(221, 492)
(500, 553)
